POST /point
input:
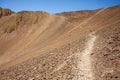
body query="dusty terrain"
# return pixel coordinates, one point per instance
(81, 45)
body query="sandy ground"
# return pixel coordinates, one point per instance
(83, 45)
(84, 62)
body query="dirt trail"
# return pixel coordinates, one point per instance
(47, 46)
(85, 62)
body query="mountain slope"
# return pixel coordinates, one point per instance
(66, 46)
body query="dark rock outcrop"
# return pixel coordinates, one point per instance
(5, 12)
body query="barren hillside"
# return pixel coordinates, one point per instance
(81, 45)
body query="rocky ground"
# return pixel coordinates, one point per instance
(59, 64)
(55, 47)
(62, 63)
(107, 54)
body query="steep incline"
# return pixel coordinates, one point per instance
(29, 32)
(67, 46)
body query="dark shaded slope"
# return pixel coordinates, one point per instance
(5, 12)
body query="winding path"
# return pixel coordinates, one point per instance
(85, 62)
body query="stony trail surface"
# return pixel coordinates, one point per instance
(85, 62)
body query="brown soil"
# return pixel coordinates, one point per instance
(82, 45)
